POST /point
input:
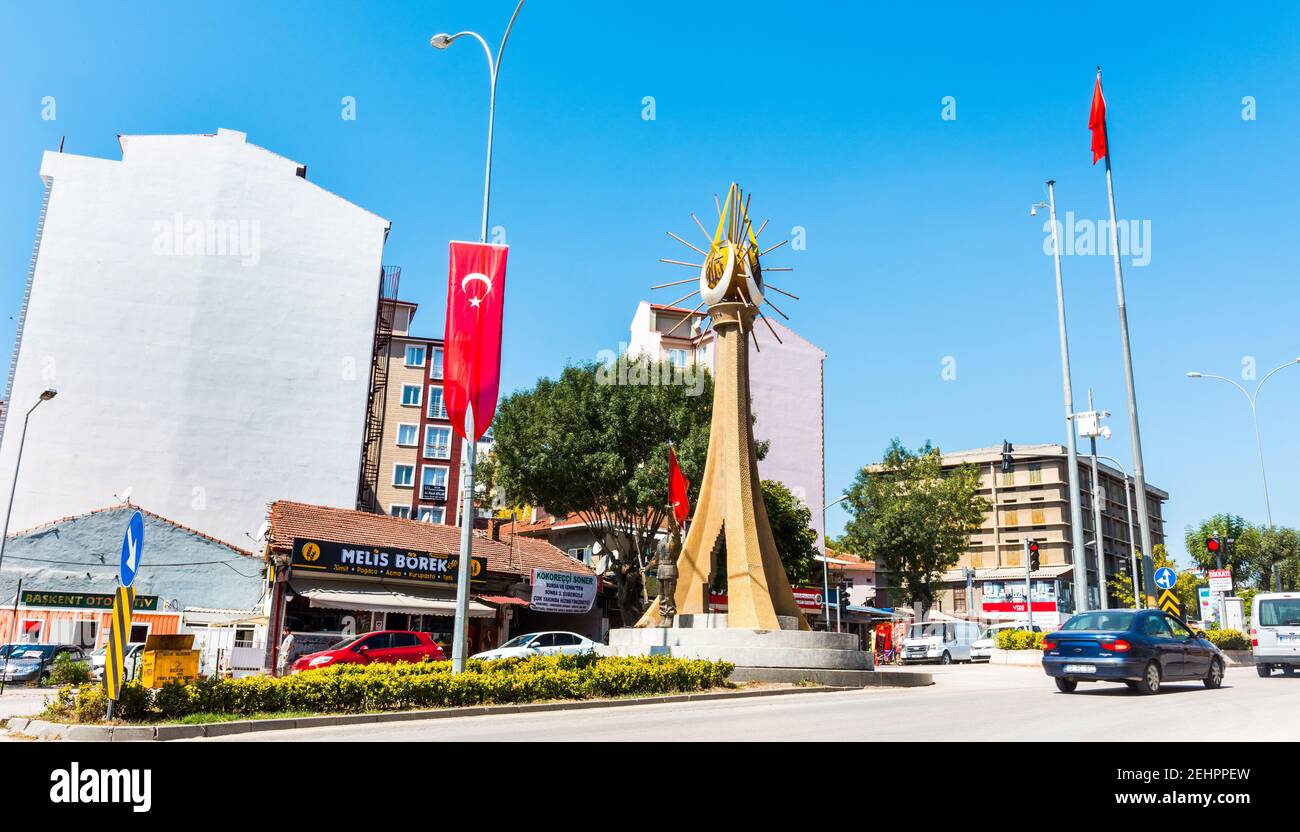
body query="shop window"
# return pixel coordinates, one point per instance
(31, 630)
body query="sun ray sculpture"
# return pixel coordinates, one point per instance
(730, 507)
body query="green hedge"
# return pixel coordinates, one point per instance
(1228, 639)
(390, 687)
(1019, 640)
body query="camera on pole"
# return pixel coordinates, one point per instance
(1006, 456)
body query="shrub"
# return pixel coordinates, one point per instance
(1228, 639)
(388, 687)
(1019, 640)
(68, 671)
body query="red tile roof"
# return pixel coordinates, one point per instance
(341, 525)
(857, 561)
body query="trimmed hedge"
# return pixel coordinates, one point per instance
(1019, 640)
(1228, 639)
(389, 687)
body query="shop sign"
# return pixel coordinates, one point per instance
(562, 591)
(433, 493)
(330, 558)
(84, 600)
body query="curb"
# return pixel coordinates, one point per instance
(44, 730)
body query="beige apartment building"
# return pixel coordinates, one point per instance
(1030, 502)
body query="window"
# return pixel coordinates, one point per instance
(1009, 477)
(1013, 518)
(959, 599)
(1155, 625)
(1035, 473)
(435, 365)
(139, 634)
(1037, 517)
(404, 640)
(379, 641)
(403, 475)
(544, 640)
(411, 395)
(408, 436)
(677, 358)
(437, 442)
(432, 514)
(566, 640)
(437, 407)
(1179, 630)
(414, 356)
(400, 511)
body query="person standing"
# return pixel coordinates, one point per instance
(284, 658)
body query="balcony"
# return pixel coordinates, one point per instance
(437, 451)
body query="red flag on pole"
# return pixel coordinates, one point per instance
(1097, 122)
(678, 485)
(472, 357)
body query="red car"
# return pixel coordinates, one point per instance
(379, 646)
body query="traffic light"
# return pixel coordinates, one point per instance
(1006, 456)
(1212, 545)
(1034, 561)
(842, 595)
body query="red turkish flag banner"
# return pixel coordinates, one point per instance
(678, 485)
(1097, 122)
(476, 294)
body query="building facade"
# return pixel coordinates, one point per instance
(206, 315)
(786, 380)
(1030, 503)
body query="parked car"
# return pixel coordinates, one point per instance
(1141, 648)
(389, 646)
(943, 642)
(982, 648)
(130, 659)
(33, 662)
(540, 644)
(1275, 632)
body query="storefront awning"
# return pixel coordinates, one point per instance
(503, 600)
(335, 595)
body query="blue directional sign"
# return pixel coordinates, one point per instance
(1166, 578)
(132, 549)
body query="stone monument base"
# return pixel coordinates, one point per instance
(785, 655)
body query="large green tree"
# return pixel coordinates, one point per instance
(1255, 555)
(796, 540)
(594, 443)
(913, 518)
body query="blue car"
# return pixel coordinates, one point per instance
(1141, 648)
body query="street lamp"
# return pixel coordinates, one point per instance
(45, 396)
(826, 582)
(444, 40)
(470, 448)
(1252, 399)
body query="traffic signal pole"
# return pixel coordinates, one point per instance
(1029, 590)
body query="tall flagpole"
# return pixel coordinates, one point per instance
(1077, 555)
(1139, 475)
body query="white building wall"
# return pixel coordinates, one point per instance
(207, 384)
(785, 381)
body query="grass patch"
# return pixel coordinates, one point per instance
(205, 718)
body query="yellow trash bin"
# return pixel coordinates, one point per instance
(167, 658)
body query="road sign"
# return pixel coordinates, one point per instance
(132, 549)
(1166, 578)
(1220, 580)
(1169, 603)
(118, 636)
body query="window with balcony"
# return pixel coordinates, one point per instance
(437, 407)
(411, 395)
(437, 442)
(414, 356)
(408, 436)
(435, 364)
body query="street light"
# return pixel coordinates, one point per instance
(1252, 399)
(45, 396)
(470, 448)
(826, 583)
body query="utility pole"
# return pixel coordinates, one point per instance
(1029, 593)
(1097, 536)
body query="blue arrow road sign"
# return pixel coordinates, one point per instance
(132, 549)
(1166, 578)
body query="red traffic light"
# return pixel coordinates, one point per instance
(1033, 547)
(1212, 544)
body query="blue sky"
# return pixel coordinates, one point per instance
(919, 240)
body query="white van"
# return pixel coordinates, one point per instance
(1275, 632)
(982, 649)
(940, 641)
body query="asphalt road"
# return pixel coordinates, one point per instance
(968, 702)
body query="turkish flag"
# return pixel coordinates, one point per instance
(678, 485)
(476, 294)
(1097, 122)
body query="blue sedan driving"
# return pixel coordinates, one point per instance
(1141, 648)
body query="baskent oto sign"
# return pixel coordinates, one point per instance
(562, 591)
(84, 600)
(328, 558)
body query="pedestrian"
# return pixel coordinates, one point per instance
(284, 660)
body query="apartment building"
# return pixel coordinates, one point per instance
(786, 382)
(415, 471)
(1030, 502)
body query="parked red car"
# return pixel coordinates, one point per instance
(380, 646)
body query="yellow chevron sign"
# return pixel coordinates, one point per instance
(118, 635)
(1169, 603)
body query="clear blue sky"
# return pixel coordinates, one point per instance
(920, 243)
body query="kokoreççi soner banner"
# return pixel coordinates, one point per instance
(562, 591)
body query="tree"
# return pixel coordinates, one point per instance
(913, 518)
(594, 443)
(1240, 556)
(796, 540)
(1121, 584)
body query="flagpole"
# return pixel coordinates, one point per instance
(1139, 476)
(469, 453)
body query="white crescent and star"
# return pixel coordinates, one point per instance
(470, 278)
